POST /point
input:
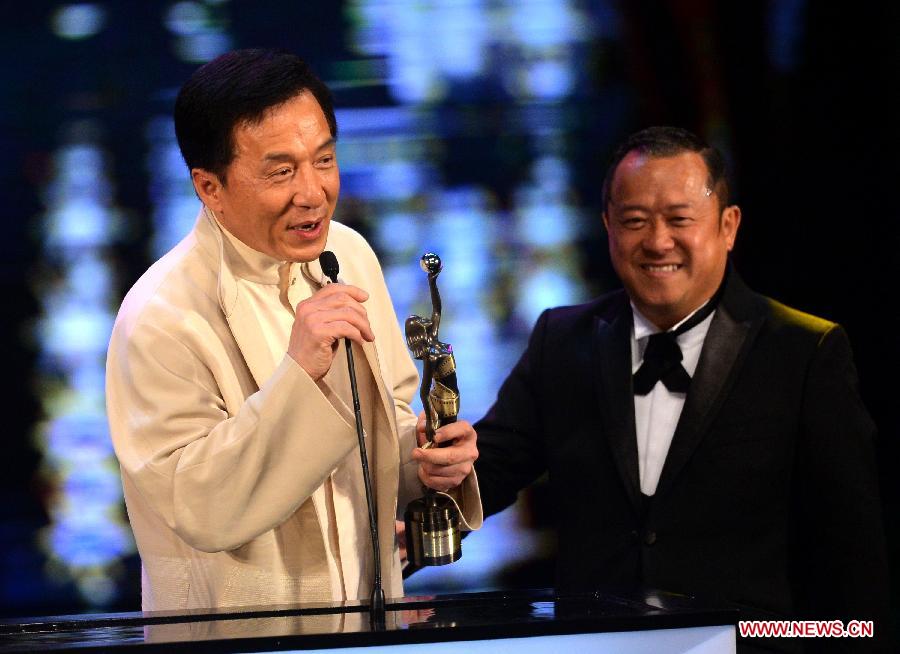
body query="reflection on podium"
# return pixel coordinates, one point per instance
(524, 621)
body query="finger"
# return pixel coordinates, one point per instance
(328, 336)
(458, 472)
(310, 308)
(325, 323)
(355, 292)
(421, 438)
(348, 314)
(440, 483)
(446, 456)
(339, 329)
(459, 431)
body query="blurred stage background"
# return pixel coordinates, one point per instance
(478, 128)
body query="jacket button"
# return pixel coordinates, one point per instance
(650, 538)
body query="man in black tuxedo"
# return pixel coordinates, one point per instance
(699, 438)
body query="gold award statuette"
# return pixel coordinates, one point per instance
(432, 521)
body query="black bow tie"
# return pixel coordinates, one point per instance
(662, 358)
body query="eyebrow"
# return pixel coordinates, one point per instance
(284, 156)
(669, 207)
(330, 143)
(277, 156)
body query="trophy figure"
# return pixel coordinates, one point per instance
(432, 521)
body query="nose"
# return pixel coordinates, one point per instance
(658, 237)
(309, 192)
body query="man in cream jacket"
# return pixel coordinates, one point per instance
(228, 397)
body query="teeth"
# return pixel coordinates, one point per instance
(672, 267)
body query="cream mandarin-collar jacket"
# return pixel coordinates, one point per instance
(221, 456)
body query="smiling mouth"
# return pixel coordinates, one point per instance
(661, 268)
(306, 227)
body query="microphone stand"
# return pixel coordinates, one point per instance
(377, 612)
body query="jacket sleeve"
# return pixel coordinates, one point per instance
(217, 480)
(843, 569)
(510, 437)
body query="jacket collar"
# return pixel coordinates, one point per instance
(239, 314)
(237, 310)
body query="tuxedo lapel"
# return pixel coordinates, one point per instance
(730, 335)
(612, 358)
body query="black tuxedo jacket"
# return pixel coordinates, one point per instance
(768, 496)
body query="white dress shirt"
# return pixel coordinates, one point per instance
(656, 414)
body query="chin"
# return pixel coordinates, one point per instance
(306, 254)
(654, 305)
(656, 298)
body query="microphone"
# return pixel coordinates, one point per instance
(331, 268)
(330, 265)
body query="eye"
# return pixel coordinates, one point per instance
(281, 173)
(633, 222)
(326, 161)
(680, 221)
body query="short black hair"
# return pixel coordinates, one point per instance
(668, 142)
(239, 87)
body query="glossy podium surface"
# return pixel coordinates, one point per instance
(521, 621)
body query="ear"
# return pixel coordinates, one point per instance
(606, 220)
(731, 220)
(208, 187)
